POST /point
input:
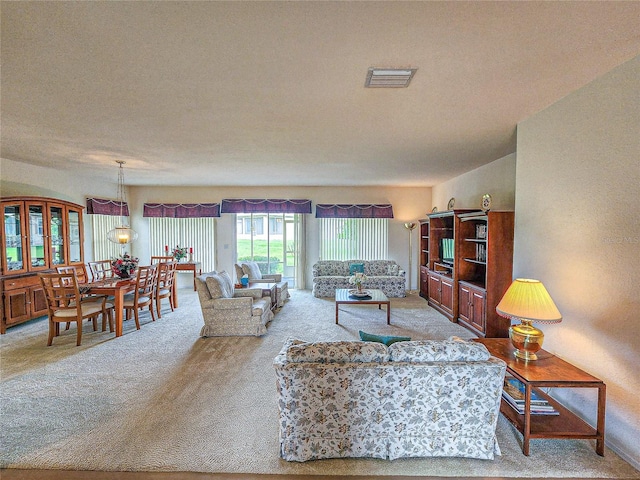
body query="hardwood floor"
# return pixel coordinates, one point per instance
(12, 474)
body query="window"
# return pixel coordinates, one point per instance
(278, 250)
(354, 238)
(103, 249)
(197, 233)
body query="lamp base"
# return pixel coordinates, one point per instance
(527, 340)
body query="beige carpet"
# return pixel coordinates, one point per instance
(163, 399)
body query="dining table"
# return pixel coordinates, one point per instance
(115, 287)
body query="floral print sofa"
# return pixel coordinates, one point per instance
(385, 275)
(411, 399)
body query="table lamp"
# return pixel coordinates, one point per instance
(528, 301)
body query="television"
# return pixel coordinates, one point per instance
(446, 250)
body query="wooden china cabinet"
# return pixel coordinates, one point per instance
(38, 235)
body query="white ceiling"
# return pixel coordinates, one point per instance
(272, 93)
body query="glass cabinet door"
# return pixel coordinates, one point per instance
(75, 236)
(37, 235)
(13, 256)
(56, 235)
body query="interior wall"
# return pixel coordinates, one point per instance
(497, 178)
(409, 204)
(578, 231)
(22, 179)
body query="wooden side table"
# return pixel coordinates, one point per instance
(548, 371)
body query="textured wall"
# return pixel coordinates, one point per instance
(497, 178)
(578, 231)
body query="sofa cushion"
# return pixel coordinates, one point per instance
(421, 351)
(337, 352)
(356, 268)
(386, 339)
(253, 270)
(219, 285)
(214, 285)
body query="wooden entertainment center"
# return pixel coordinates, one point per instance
(466, 260)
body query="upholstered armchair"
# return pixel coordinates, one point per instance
(256, 276)
(230, 312)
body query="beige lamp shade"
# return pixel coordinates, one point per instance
(528, 300)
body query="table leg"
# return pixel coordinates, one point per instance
(526, 428)
(118, 307)
(336, 313)
(174, 294)
(194, 278)
(388, 313)
(602, 393)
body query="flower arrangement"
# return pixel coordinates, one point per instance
(124, 265)
(358, 279)
(180, 252)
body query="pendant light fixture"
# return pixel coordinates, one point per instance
(122, 234)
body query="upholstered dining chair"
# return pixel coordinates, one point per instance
(65, 304)
(101, 269)
(81, 275)
(144, 294)
(166, 279)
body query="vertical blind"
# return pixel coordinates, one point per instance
(354, 238)
(103, 249)
(196, 233)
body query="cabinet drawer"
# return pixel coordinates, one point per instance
(22, 282)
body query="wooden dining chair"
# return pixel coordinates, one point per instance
(101, 269)
(161, 259)
(165, 284)
(81, 275)
(144, 294)
(65, 304)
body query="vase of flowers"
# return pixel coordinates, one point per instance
(180, 253)
(124, 265)
(358, 279)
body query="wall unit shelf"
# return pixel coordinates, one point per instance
(484, 270)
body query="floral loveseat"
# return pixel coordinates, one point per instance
(385, 275)
(411, 399)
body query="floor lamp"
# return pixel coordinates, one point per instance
(410, 226)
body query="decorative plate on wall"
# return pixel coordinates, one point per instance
(452, 202)
(486, 202)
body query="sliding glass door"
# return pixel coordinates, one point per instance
(270, 240)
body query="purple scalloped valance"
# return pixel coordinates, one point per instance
(99, 206)
(181, 210)
(231, 205)
(354, 211)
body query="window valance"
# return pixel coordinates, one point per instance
(99, 206)
(267, 205)
(181, 210)
(354, 211)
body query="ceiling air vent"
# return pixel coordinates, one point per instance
(389, 77)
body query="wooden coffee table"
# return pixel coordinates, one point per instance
(377, 298)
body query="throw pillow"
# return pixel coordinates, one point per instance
(252, 269)
(356, 268)
(386, 339)
(214, 284)
(394, 269)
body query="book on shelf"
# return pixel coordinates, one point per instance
(514, 392)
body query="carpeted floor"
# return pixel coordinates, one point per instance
(164, 399)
